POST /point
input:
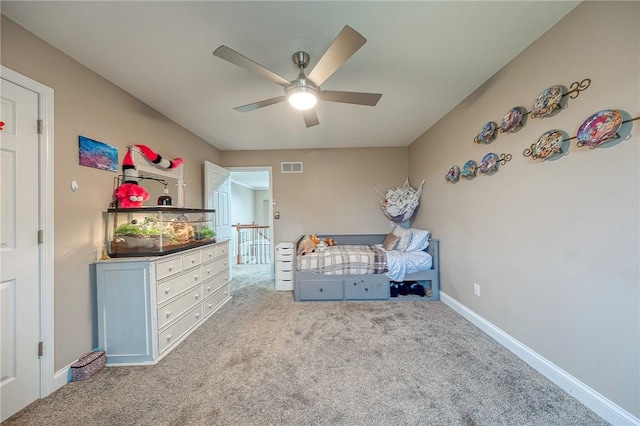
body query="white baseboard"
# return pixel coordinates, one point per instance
(583, 393)
(61, 378)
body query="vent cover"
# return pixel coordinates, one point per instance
(291, 167)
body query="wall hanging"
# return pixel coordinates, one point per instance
(488, 166)
(98, 155)
(546, 104)
(548, 145)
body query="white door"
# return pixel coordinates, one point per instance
(217, 190)
(19, 252)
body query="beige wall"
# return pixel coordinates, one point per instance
(554, 245)
(87, 104)
(335, 193)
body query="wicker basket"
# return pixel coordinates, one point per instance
(88, 364)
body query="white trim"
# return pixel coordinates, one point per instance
(62, 377)
(600, 405)
(45, 113)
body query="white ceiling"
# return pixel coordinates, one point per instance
(423, 56)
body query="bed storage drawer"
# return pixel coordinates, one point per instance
(330, 289)
(366, 289)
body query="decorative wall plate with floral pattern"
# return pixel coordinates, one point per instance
(512, 119)
(599, 128)
(469, 170)
(547, 101)
(489, 164)
(549, 144)
(487, 133)
(453, 175)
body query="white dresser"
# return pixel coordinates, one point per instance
(146, 306)
(284, 266)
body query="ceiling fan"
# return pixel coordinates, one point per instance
(303, 92)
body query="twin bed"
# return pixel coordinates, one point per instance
(360, 268)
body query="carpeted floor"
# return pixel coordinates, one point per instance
(263, 359)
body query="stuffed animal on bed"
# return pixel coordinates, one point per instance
(306, 245)
(330, 242)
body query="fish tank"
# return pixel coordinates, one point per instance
(157, 230)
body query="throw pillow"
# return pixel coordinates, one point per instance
(389, 242)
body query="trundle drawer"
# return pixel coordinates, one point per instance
(173, 333)
(321, 290)
(173, 310)
(170, 288)
(213, 302)
(366, 289)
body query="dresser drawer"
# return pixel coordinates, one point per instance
(321, 290)
(174, 286)
(211, 286)
(284, 265)
(284, 252)
(208, 254)
(214, 268)
(167, 267)
(218, 265)
(213, 302)
(191, 259)
(173, 310)
(222, 249)
(173, 333)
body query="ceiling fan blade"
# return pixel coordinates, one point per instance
(261, 104)
(228, 54)
(345, 44)
(310, 117)
(358, 98)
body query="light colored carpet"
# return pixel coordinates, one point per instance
(263, 359)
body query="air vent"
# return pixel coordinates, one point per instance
(291, 167)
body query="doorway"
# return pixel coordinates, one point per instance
(252, 222)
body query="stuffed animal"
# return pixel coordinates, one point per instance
(130, 193)
(306, 245)
(330, 242)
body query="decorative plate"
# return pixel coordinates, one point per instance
(487, 133)
(599, 128)
(470, 169)
(489, 163)
(512, 119)
(453, 175)
(547, 101)
(549, 144)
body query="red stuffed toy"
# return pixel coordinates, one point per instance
(130, 193)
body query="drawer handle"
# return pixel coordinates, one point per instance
(170, 268)
(169, 336)
(226, 292)
(366, 289)
(195, 277)
(208, 288)
(210, 254)
(198, 315)
(193, 261)
(197, 296)
(208, 271)
(168, 314)
(321, 290)
(167, 290)
(210, 306)
(225, 263)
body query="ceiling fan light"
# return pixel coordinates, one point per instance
(302, 98)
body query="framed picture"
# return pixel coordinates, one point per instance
(98, 155)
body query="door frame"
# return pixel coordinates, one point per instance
(46, 221)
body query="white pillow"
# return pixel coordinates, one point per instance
(404, 238)
(419, 239)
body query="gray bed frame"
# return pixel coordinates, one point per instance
(311, 286)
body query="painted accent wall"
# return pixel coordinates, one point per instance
(554, 245)
(89, 105)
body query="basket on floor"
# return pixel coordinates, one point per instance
(88, 364)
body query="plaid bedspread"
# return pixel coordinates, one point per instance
(342, 260)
